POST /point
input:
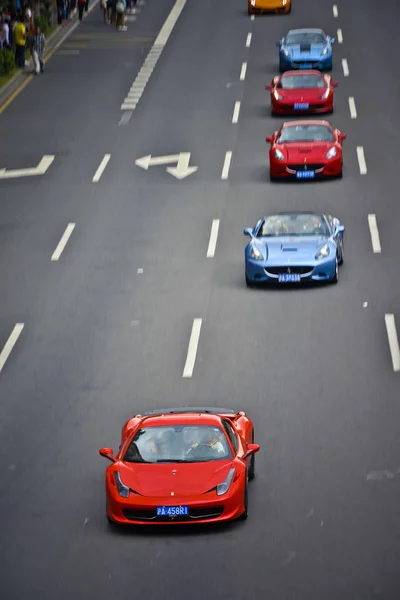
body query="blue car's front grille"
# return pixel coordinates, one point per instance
(288, 269)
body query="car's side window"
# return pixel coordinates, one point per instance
(231, 434)
(330, 221)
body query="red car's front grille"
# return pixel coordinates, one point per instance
(311, 107)
(195, 514)
(306, 167)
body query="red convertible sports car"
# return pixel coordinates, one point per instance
(306, 150)
(297, 92)
(181, 465)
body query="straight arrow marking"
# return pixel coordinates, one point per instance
(41, 169)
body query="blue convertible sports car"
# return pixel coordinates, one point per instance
(305, 49)
(294, 247)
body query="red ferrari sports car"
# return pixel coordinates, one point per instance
(297, 92)
(306, 150)
(181, 465)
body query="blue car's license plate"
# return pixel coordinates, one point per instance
(301, 106)
(289, 278)
(172, 511)
(305, 174)
(305, 66)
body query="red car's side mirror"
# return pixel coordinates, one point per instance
(334, 84)
(251, 449)
(342, 136)
(107, 453)
(269, 139)
(268, 86)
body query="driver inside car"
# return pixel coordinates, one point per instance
(206, 445)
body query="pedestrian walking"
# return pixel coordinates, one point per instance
(38, 48)
(81, 7)
(20, 42)
(121, 9)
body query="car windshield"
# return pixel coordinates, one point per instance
(305, 133)
(305, 37)
(177, 444)
(294, 225)
(294, 82)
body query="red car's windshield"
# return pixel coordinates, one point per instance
(305, 133)
(296, 82)
(178, 443)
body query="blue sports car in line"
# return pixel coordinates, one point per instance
(305, 49)
(290, 247)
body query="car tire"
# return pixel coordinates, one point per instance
(249, 12)
(335, 278)
(110, 521)
(252, 467)
(341, 253)
(244, 515)
(271, 177)
(281, 68)
(289, 10)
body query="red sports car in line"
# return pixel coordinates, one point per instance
(297, 92)
(306, 150)
(181, 465)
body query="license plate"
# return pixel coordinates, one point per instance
(172, 511)
(301, 106)
(305, 174)
(289, 278)
(305, 66)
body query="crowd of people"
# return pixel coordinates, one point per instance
(114, 12)
(18, 33)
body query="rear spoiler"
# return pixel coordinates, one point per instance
(190, 410)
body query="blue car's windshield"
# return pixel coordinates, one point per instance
(305, 133)
(294, 225)
(311, 37)
(295, 82)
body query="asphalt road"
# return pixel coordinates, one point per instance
(107, 326)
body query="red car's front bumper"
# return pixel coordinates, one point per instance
(327, 168)
(207, 508)
(287, 108)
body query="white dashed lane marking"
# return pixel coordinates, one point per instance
(248, 40)
(63, 242)
(352, 107)
(227, 164)
(101, 167)
(192, 349)
(373, 228)
(340, 36)
(243, 72)
(345, 67)
(361, 160)
(393, 341)
(335, 11)
(212, 244)
(236, 111)
(10, 343)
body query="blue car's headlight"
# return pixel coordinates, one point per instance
(325, 51)
(223, 487)
(332, 153)
(255, 253)
(285, 52)
(323, 252)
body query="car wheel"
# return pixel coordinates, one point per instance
(244, 515)
(271, 177)
(252, 467)
(249, 12)
(110, 521)
(341, 253)
(289, 10)
(335, 278)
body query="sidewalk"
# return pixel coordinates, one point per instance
(24, 76)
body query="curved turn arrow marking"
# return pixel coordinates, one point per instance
(39, 170)
(182, 160)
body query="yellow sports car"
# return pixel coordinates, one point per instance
(262, 6)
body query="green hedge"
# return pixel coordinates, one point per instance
(7, 61)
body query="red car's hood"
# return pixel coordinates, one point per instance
(191, 479)
(306, 151)
(302, 95)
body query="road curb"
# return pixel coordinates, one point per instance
(22, 78)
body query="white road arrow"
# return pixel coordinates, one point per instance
(181, 170)
(39, 170)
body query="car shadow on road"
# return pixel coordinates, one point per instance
(177, 530)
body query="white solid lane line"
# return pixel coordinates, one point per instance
(352, 107)
(361, 160)
(243, 72)
(345, 67)
(340, 36)
(248, 40)
(212, 244)
(101, 168)
(393, 341)
(335, 11)
(227, 164)
(63, 242)
(10, 343)
(373, 228)
(192, 349)
(236, 111)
